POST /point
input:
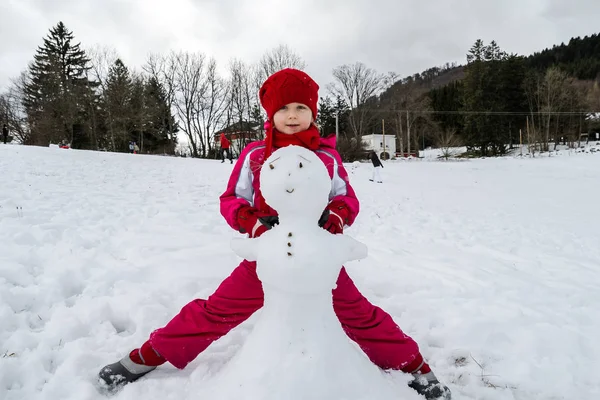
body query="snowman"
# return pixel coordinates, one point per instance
(298, 349)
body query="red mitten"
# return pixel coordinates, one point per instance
(334, 217)
(253, 222)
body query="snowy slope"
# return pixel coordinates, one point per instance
(492, 265)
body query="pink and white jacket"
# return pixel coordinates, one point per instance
(243, 187)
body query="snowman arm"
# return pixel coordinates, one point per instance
(245, 248)
(351, 249)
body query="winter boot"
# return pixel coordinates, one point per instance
(130, 368)
(428, 386)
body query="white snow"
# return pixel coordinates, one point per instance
(492, 265)
(518, 150)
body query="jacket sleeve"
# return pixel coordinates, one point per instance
(341, 190)
(239, 191)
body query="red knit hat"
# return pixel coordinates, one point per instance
(288, 86)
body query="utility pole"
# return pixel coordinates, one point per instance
(383, 135)
(337, 127)
(521, 141)
(408, 130)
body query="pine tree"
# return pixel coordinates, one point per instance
(448, 101)
(328, 109)
(161, 129)
(326, 116)
(579, 58)
(492, 52)
(487, 88)
(474, 97)
(477, 52)
(118, 106)
(55, 96)
(512, 98)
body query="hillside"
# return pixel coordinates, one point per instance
(580, 57)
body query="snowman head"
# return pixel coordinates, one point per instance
(295, 182)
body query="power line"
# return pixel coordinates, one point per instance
(454, 112)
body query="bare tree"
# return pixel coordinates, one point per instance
(12, 111)
(102, 58)
(356, 84)
(447, 141)
(273, 60)
(187, 85)
(212, 105)
(534, 137)
(410, 108)
(549, 95)
(554, 98)
(198, 96)
(417, 122)
(277, 59)
(593, 97)
(390, 79)
(162, 68)
(242, 100)
(398, 120)
(240, 92)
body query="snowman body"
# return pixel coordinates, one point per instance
(298, 348)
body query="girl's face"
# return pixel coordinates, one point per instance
(293, 118)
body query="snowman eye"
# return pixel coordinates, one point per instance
(300, 165)
(273, 162)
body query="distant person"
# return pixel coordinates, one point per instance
(377, 165)
(136, 148)
(225, 149)
(131, 147)
(5, 133)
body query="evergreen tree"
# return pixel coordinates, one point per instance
(326, 116)
(118, 105)
(57, 92)
(161, 129)
(477, 52)
(477, 85)
(446, 102)
(512, 98)
(492, 52)
(579, 58)
(328, 109)
(493, 95)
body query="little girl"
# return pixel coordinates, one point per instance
(289, 98)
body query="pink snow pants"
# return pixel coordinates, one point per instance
(201, 322)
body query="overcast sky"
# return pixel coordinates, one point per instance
(404, 36)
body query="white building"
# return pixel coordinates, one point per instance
(381, 144)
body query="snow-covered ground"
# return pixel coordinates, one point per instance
(492, 265)
(517, 151)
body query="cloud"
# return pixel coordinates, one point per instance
(404, 36)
